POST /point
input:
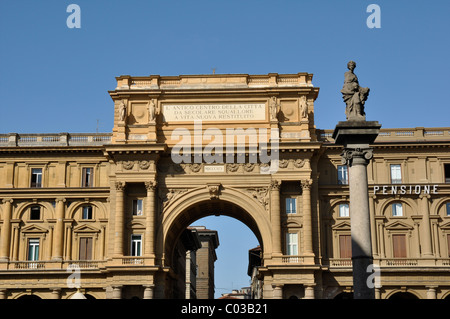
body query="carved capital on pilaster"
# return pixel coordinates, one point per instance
(361, 156)
(120, 186)
(426, 196)
(306, 183)
(151, 185)
(275, 185)
(7, 200)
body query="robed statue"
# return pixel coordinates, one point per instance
(353, 95)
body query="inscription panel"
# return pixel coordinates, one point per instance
(217, 112)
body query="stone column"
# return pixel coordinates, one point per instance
(119, 220)
(431, 293)
(373, 225)
(275, 217)
(307, 219)
(117, 292)
(6, 230)
(148, 291)
(358, 159)
(56, 293)
(356, 135)
(149, 245)
(278, 291)
(427, 251)
(59, 230)
(309, 292)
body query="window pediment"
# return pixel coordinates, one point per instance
(86, 229)
(345, 225)
(445, 226)
(34, 229)
(398, 225)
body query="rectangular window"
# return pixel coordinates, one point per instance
(345, 246)
(85, 248)
(291, 205)
(399, 246)
(33, 249)
(397, 209)
(292, 244)
(87, 212)
(137, 207)
(87, 177)
(447, 173)
(342, 175)
(136, 245)
(396, 174)
(35, 213)
(343, 210)
(36, 177)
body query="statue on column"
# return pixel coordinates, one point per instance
(353, 95)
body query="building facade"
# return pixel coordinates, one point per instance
(105, 211)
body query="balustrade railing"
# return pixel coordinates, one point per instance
(62, 139)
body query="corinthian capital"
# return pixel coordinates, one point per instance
(120, 186)
(306, 183)
(275, 185)
(150, 185)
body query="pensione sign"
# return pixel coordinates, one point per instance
(405, 189)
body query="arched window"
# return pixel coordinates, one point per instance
(397, 209)
(87, 212)
(35, 213)
(344, 210)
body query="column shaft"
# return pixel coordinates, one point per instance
(307, 219)
(149, 246)
(6, 230)
(275, 217)
(119, 220)
(59, 230)
(362, 258)
(426, 245)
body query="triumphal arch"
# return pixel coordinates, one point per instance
(234, 145)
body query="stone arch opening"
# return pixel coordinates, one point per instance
(403, 295)
(204, 209)
(197, 204)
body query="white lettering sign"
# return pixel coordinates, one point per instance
(214, 112)
(405, 189)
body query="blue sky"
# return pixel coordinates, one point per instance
(56, 79)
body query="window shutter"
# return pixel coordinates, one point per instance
(345, 246)
(88, 248)
(85, 248)
(399, 245)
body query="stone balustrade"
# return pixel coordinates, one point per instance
(61, 139)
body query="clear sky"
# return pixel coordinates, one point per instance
(56, 79)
